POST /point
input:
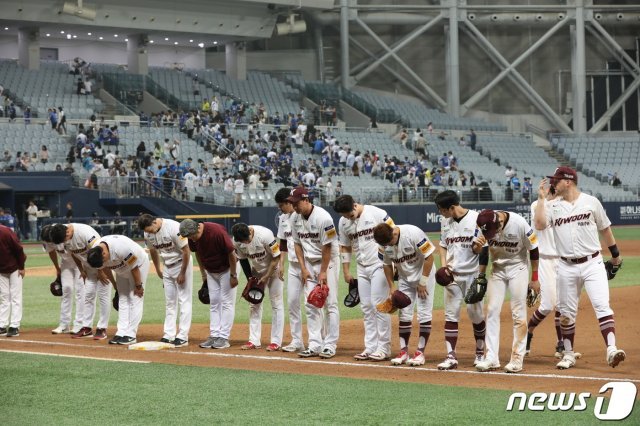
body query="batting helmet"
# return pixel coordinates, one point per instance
(203, 293)
(56, 287)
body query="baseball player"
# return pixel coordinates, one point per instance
(509, 237)
(410, 250)
(458, 229)
(131, 265)
(78, 238)
(259, 254)
(294, 280)
(316, 241)
(11, 275)
(176, 271)
(218, 265)
(547, 266)
(356, 236)
(575, 219)
(70, 280)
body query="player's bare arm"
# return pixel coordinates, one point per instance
(156, 261)
(273, 265)
(203, 272)
(138, 290)
(539, 215)
(326, 258)
(232, 269)
(443, 255)
(304, 272)
(54, 259)
(388, 273)
(283, 249)
(186, 255)
(78, 262)
(345, 259)
(534, 283)
(426, 271)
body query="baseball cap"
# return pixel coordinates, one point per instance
(298, 194)
(488, 222)
(565, 172)
(188, 227)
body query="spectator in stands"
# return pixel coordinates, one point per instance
(88, 86)
(141, 150)
(515, 183)
(445, 162)
(80, 89)
(44, 154)
(32, 218)
(430, 128)
(238, 190)
(53, 118)
(7, 219)
(462, 179)
(453, 161)
(509, 173)
(6, 102)
(437, 178)
(527, 190)
(472, 140)
(27, 115)
(62, 122)
(615, 180)
(69, 213)
(472, 180)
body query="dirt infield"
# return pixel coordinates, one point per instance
(539, 374)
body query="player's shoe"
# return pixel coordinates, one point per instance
(114, 340)
(292, 347)
(528, 350)
(615, 356)
(100, 334)
(220, 343)
(61, 329)
(327, 353)
(449, 363)
(568, 361)
(15, 332)
(308, 353)
(513, 367)
(83, 332)
(127, 340)
(402, 358)
(477, 359)
(208, 343)
(180, 343)
(249, 346)
(165, 340)
(362, 356)
(486, 365)
(378, 356)
(417, 359)
(559, 350)
(273, 347)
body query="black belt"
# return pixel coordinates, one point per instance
(174, 264)
(581, 259)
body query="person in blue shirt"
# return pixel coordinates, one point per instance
(444, 161)
(318, 146)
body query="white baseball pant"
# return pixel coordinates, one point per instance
(223, 303)
(373, 289)
(424, 307)
(314, 315)
(547, 274)
(93, 289)
(294, 293)
(515, 278)
(176, 297)
(71, 284)
(10, 299)
(454, 295)
(130, 305)
(275, 287)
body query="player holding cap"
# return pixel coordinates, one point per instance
(458, 229)
(509, 237)
(356, 236)
(575, 219)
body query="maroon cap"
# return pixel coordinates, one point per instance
(564, 172)
(298, 194)
(488, 223)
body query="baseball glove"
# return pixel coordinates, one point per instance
(318, 296)
(203, 293)
(400, 300)
(476, 290)
(56, 287)
(444, 277)
(253, 291)
(386, 307)
(612, 269)
(352, 298)
(116, 301)
(533, 297)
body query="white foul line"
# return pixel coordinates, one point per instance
(75, 356)
(215, 353)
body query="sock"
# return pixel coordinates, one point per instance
(568, 333)
(536, 319)
(405, 333)
(558, 329)
(608, 330)
(425, 332)
(479, 331)
(451, 335)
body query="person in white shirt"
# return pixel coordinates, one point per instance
(356, 239)
(238, 190)
(259, 254)
(131, 265)
(316, 241)
(71, 282)
(309, 179)
(510, 237)
(78, 238)
(458, 229)
(576, 218)
(163, 239)
(254, 178)
(409, 250)
(32, 218)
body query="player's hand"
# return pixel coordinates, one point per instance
(322, 278)
(21, 272)
(83, 275)
(138, 291)
(616, 260)
(281, 273)
(347, 278)
(159, 272)
(233, 282)
(181, 278)
(535, 285)
(305, 275)
(478, 243)
(542, 189)
(102, 277)
(422, 292)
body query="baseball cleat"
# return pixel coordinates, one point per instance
(486, 365)
(615, 356)
(114, 340)
(362, 356)
(378, 356)
(559, 350)
(402, 358)
(100, 334)
(513, 367)
(249, 346)
(61, 329)
(180, 343)
(273, 347)
(84, 332)
(308, 353)
(15, 332)
(208, 343)
(568, 361)
(292, 347)
(3, 331)
(418, 359)
(165, 340)
(127, 340)
(449, 363)
(477, 359)
(327, 353)
(528, 349)
(220, 343)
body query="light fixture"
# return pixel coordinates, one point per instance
(61, 32)
(175, 42)
(126, 39)
(48, 35)
(79, 10)
(151, 41)
(166, 39)
(68, 36)
(88, 34)
(115, 35)
(75, 36)
(200, 45)
(291, 26)
(215, 42)
(6, 28)
(100, 38)
(190, 41)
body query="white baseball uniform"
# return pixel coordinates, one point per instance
(575, 228)
(262, 249)
(125, 255)
(84, 238)
(547, 266)
(312, 234)
(408, 256)
(71, 281)
(509, 256)
(294, 280)
(372, 283)
(169, 244)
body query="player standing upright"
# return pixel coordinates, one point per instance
(163, 239)
(457, 231)
(411, 252)
(316, 241)
(509, 237)
(575, 219)
(11, 275)
(259, 254)
(356, 236)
